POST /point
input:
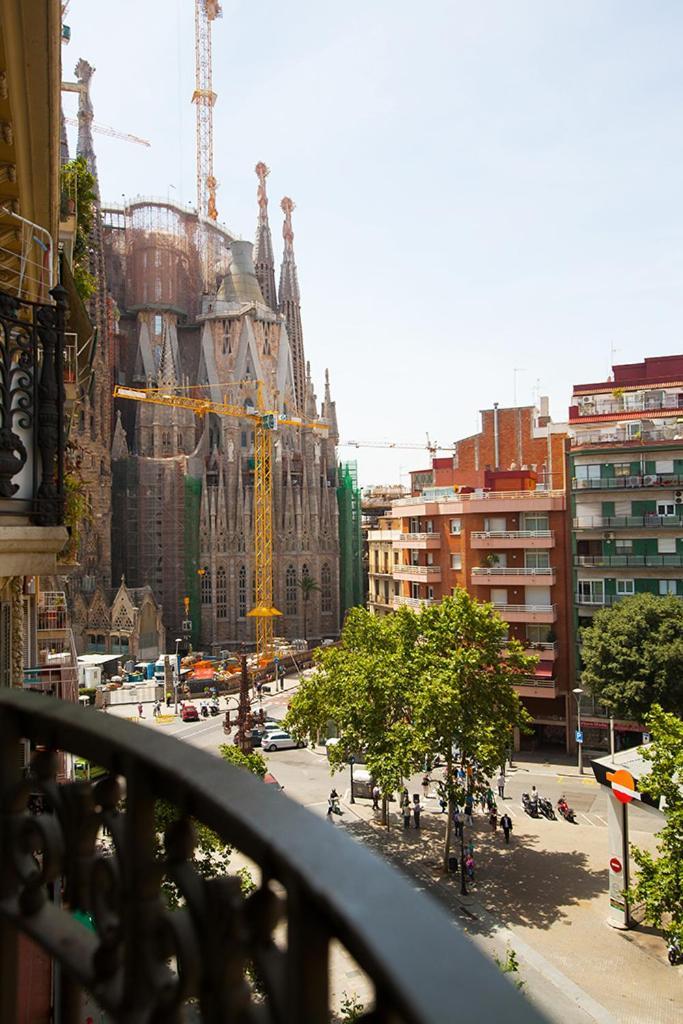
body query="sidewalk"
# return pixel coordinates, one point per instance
(549, 906)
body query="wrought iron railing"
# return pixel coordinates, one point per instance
(142, 960)
(650, 521)
(32, 408)
(654, 561)
(625, 483)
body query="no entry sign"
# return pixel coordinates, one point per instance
(623, 786)
(615, 865)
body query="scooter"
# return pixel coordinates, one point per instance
(566, 811)
(529, 805)
(674, 951)
(204, 711)
(213, 708)
(546, 809)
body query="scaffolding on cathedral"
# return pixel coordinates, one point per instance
(350, 537)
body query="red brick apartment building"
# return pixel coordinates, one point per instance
(502, 535)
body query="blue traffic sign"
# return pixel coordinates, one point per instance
(579, 736)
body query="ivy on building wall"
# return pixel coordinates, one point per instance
(78, 196)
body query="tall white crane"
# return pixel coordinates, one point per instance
(205, 11)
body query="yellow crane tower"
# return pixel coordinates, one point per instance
(265, 422)
(205, 12)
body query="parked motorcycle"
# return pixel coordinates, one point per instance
(205, 711)
(674, 951)
(213, 708)
(529, 805)
(546, 808)
(566, 811)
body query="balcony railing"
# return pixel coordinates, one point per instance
(513, 535)
(423, 571)
(618, 435)
(411, 602)
(639, 403)
(142, 960)
(653, 522)
(32, 408)
(672, 561)
(53, 680)
(480, 495)
(619, 483)
(52, 611)
(502, 570)
(532, 612)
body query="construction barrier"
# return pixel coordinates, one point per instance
(164, 719)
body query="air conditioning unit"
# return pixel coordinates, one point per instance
(678, 501)
(649, 481)
(678, 494)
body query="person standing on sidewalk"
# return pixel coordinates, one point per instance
(417, 810)
(140, 710)
(425, 785)
(457, 822)
(375, 797)
(469, 802)
(501, 785)
(405, 810)
(506, 825)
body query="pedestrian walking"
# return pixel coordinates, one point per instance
(375, 797)
(461, 776)
(425, 786)
(483, 801)
(469, 867)
(506, 825)
(417, 810)
(468, 809)
(405, 799)
(493, 819)
(501, 785)
(490, 802)
(443, 799)
(405, 810)
(156, 710)
(457, 822)
(140, 711)
(259, 692)
(169, 697)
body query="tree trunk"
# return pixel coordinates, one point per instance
(385, 815)
(449, 816)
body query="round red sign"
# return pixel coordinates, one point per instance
(615, 865)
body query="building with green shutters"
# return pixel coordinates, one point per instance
(625, 480)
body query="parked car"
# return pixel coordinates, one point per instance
(280, 741)
(189, 713)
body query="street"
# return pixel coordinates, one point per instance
(552, 874)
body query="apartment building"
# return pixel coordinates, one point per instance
(625, 479)
(504, 542)
(383, 554)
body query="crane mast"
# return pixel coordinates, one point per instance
(204, 98)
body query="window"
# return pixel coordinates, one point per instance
(587, 473)
(326, 589)
(456, 526)
(666, 545)
(537, 633)
(157, 289)
(535, 522)
(667, 587)
(456, 561)
(206, 587)
(495, 524)
(242, 592)
(622, 469)
(664, 466)
(591, 591)
(429, 526)
(290, 591)
(633, 428)
(221, 595)
(158, 323)
(625, 588)
(227, 344)
(499, 595)
(430, 593)
(666, 508)
(536, 559)
(623, 547)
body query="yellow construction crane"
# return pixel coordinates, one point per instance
(265, 422)
(205, 11)
(103, 129)
(428, 445)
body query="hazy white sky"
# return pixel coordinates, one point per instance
(479, 186)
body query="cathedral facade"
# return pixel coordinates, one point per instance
(183, 486)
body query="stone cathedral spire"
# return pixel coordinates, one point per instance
(290, 305)
(85, 146)
(264, 261)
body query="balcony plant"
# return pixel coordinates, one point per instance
(78, 189)
(490, 559)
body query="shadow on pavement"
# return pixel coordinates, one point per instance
(521, 884)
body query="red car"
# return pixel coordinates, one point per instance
(189, 713)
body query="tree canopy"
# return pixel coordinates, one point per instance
(410, 685)
(633, 655)
(659, 883)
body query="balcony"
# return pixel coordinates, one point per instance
(545, 651)
(648, 522)
(503, 575)
(628, 483)
(497, 539)
(386, 570)
(383, 536)
(544, 688)
(418, 541)
(618, 435)
(418, 573)
(54, 680)
(53, 617)
(626, 404)
(673, 561)
(144, 960)
(400, 601)
(527, 612)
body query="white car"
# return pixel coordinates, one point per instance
(280, 741)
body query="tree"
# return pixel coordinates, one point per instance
(253, 762)
(659, 883)
(466, 697)
(307, 585)
(78, 188)
(364, 686)
(633, 656)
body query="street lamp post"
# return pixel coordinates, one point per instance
(578, 693)
(352, 761)
(178, 641)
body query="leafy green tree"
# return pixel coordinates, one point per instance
(78, 187)
(307, 585)
(365, 687)
(466, 697)
(633, 656)
(659, 882)
(253, 762)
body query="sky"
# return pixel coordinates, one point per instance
(481, 188)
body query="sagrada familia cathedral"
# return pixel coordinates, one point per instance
(188, 308)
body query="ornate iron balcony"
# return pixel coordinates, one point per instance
(143, 961)
(32, 408)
